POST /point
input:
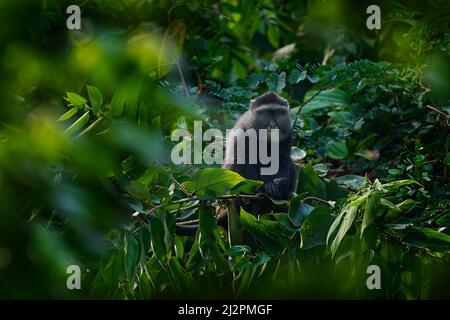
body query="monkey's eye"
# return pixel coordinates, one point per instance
(278, 112)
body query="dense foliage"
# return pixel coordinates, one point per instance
(86, 176)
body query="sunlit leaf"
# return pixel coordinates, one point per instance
(347, 221)
(69, 114)
(394, 185)
(95, 97)
(212, 182)
(351, 181)
(118, 103)
(75, 99)
(370, 211)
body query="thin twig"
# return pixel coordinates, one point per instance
(317, 199)
(438, 111)
(173, 179)
(180, 71)
(224, 197)
(309, 100)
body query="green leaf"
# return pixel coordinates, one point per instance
(157, 241)
(391, 252)
(238, 250)
(79, 124)
(261, 258)
(394, 185)
(342, 117)
(179, 247)
(138, 189)
(212, 182)
(336, 223)
(281, 84)
(117, 103)
(351, 181)
(149, 178)
(345, 249)
(296, 76)
(427, 238)
(132, 255)
(444, 220)
(207, 239)
(298, 211)
(447, 159)
(171, 46)
(315, 228)
(114, 268)
(195, 259)
(207, 225)
(95, 96)
(394, 171)
(337, 150)
(297, 154)
(69, 114)
(179, 276)
(370, 212)
(335, 191)
(246, 187)
(271, 234)
(396, 210)
(239, 68)
(371, 155)
(75, 99)
(347, 221)
(310, 183)
(273, 35)
(325, 99)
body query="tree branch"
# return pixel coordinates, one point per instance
(224, 197)
(173, 179)
(438, 111)
(317, 199)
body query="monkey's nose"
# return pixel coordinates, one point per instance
(272, 125)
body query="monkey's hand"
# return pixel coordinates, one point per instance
(272, 189)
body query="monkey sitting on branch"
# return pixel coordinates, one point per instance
(246, 149)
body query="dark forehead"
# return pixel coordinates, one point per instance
(268, 98)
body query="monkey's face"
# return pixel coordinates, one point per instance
(273, 116)
(270, 111)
